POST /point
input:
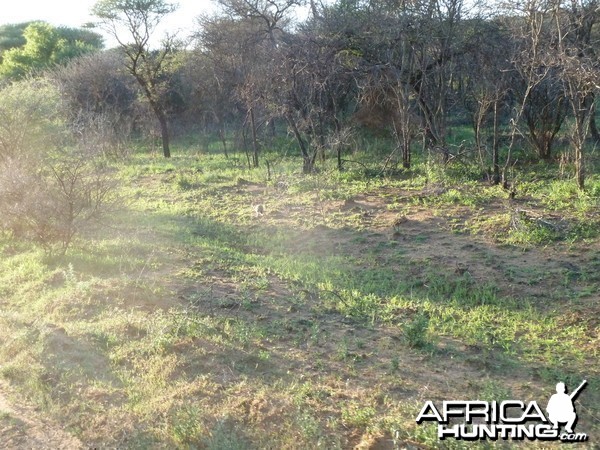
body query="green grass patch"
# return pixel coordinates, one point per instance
(191, 321)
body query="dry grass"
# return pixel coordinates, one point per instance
(192, 322)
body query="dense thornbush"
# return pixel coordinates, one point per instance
(100, 101)
(51, 184)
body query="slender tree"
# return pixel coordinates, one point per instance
(139, 18)
(578, 65)
(247, 35)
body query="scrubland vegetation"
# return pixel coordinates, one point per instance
(429, 225)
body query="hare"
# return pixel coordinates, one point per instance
(259, 209)
(398, 222)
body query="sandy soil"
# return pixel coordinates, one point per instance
(21, 427)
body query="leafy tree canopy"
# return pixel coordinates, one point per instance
(37, 45)
(11, 36)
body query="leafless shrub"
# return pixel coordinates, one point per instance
(49, 201)
(51, 185)
(105, 133)
(99, 101)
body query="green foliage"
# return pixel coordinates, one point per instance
(11, 36)
(253, 318)
(495, 392)
(225, 437)
(31, 123)
(192, 322)
(528, 232)
(358, 416)
(137, 10)
(416, 332)
(185, 427)
(87, 38)
(44, 47)
(151, 69)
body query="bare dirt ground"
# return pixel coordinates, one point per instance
(435, 234)
(336, 354)
(21, 427)
(426, 235)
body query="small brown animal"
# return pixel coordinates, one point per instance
(461, 269)
(399, 221)
(259, 209)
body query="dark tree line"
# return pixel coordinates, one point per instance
(522, 73)
(408, 68)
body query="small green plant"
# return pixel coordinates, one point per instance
(494, 391)
(225, 437)
(416, 332)
(184, 183)
(343, 352)
(186, 428)
(357, 416)
(309, 426)
(70, 276)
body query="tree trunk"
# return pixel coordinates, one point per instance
(406, 154)
(164, 132)
(308, 165)
(495, 156)
(254, 139)
(544, 144)
(580, 110)
(579, 167)
(307, 162)
(158, 112)
(164, 128)
(321, 138)
(223, 140)
(477, 121)
(245, 142)
(579, 142)
(593, 127)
